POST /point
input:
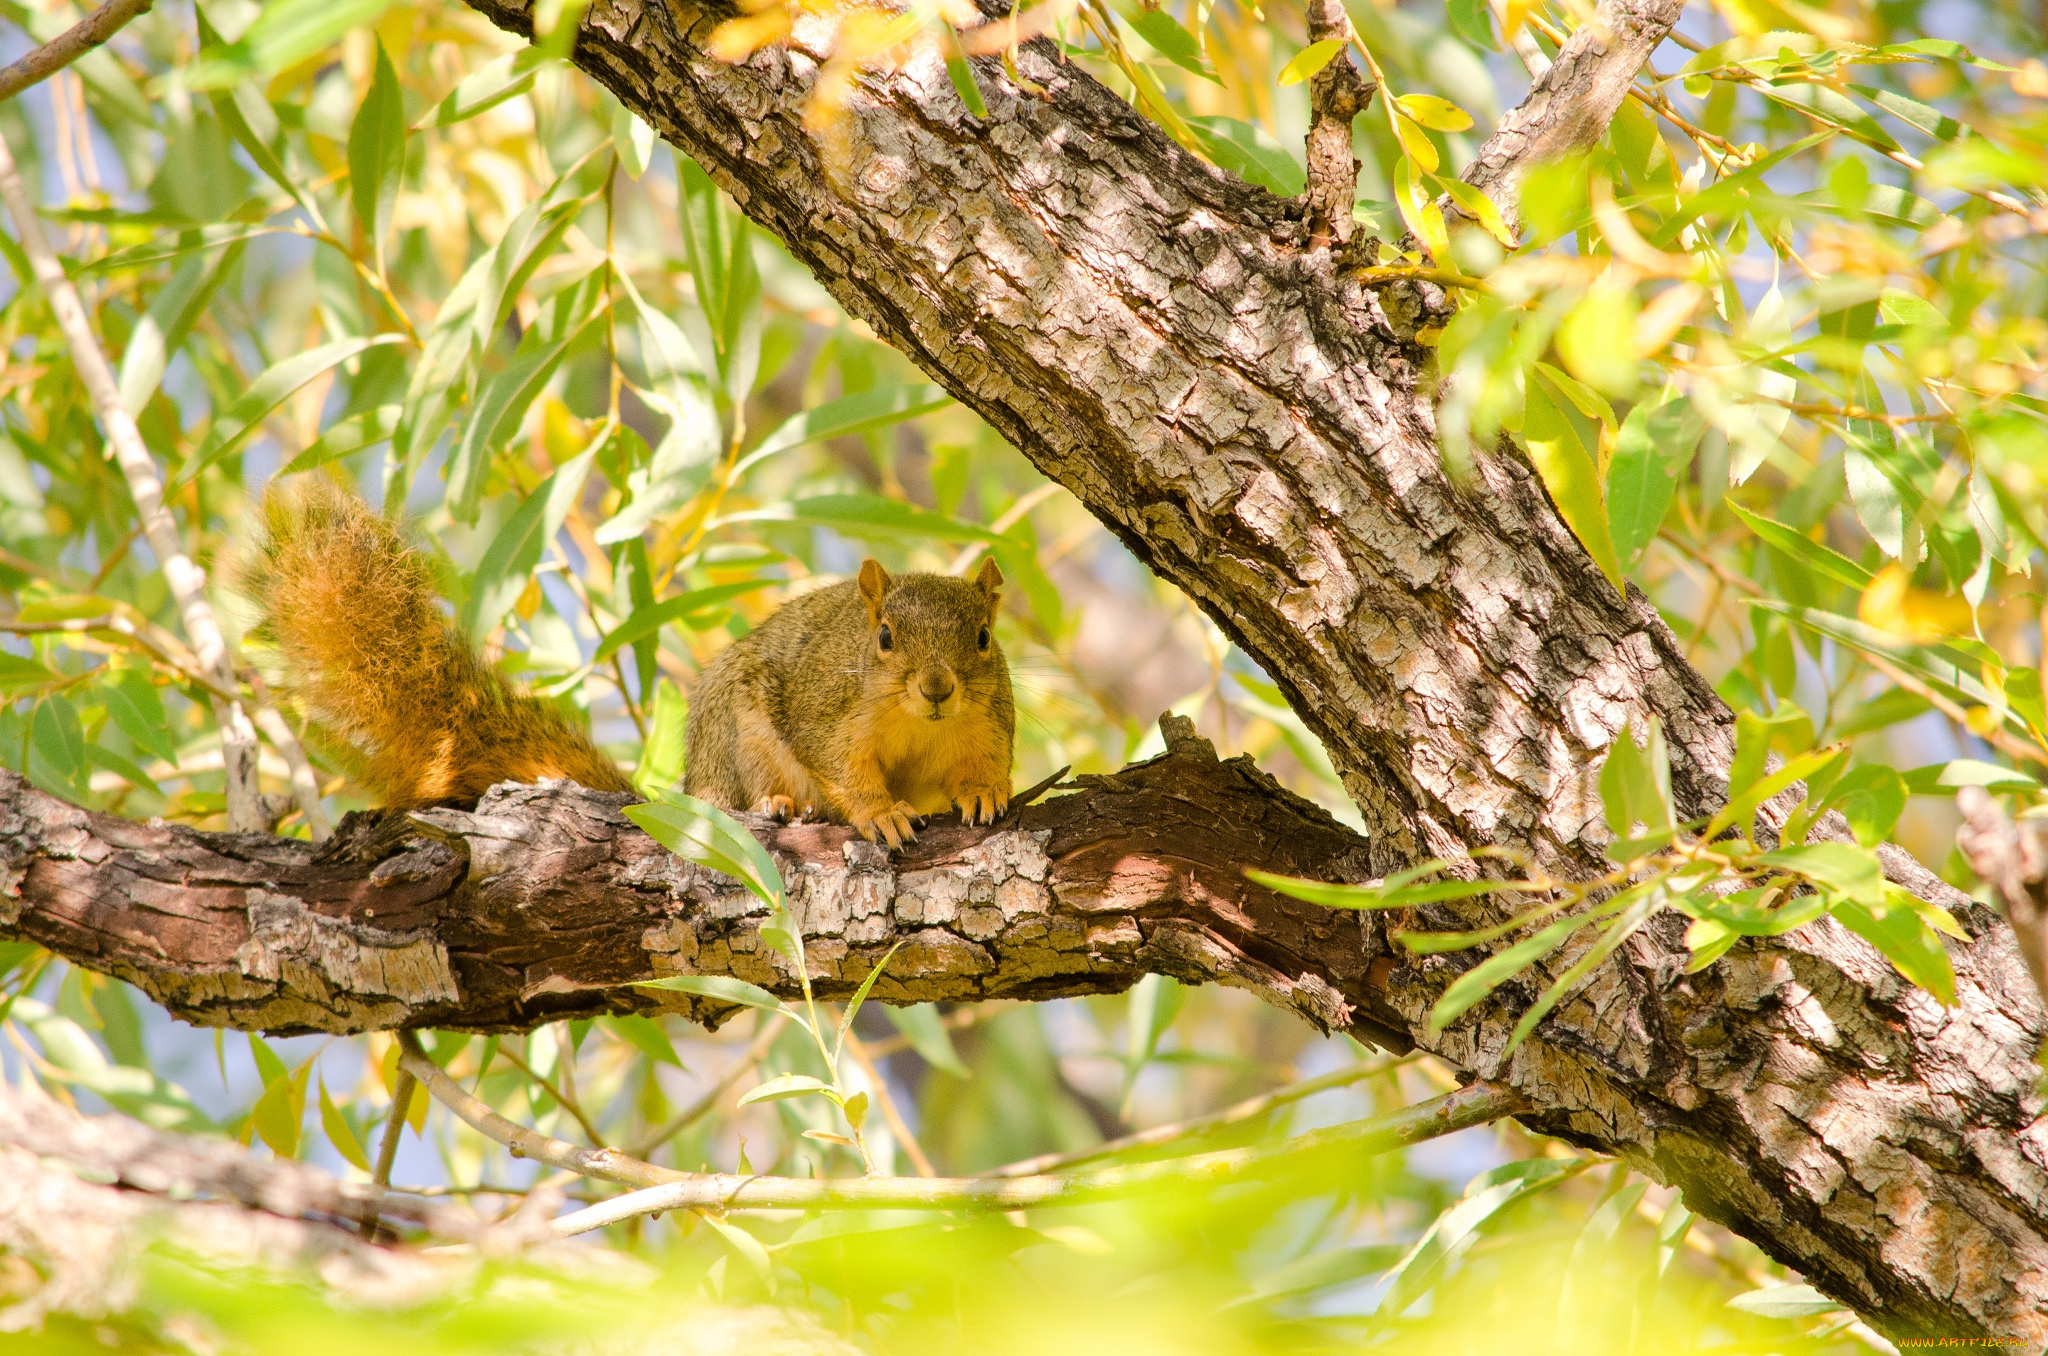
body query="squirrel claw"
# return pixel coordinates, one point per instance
(982, 807)
(893, 825)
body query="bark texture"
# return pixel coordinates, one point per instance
(1251, 416)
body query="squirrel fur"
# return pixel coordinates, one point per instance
(394, 688)
(875, 701)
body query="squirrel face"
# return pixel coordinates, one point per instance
(930, 638)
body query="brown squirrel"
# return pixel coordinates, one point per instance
(874, 700)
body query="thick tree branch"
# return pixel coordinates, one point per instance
(68, 46)
(1574, 98)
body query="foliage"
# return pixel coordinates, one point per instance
(1775, 347)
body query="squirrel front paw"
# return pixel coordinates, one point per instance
(776, 807)
(891, 825)
(982, 806)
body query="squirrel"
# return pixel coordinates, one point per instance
(878, 700)
(396, 692)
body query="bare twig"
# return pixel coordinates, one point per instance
(387, 1152)
(756, 1051)
(1469, 1106)
(886, 1100)
(1198, 1125)
(667, 1189)
(567, 1101)
(68, 46)
(186, 579)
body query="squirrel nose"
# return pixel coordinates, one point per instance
(935, 685)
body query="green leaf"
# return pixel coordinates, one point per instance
(269, 1067)
(376, 154)
(1784, 1301)
(1842, 868)
(285, 33)
(1175, 43)
(1620, 930)
(1651, 452)
(632, 140)
(481, 90)
(1480, 208)
(1944, 779)
(1472, 20)
(245, 417)
(1251, 153)
(700, 832)
(1455, 1230)
(1482, 979)
(1886, 709)
(961, 73)
(724, 988)
(501, 407)
(176, 246)
(515, 552)
(745, 1245)
(869, 515)
(1833, 109)
(644, 1034)
(661, 760)
(788, 1086)
(134, 705)
(1804, 549)
(860, 995)
(344, 438)
(20, 676)
(1566, 465)
(1871, 798)
(1309, 60)
(340, 1133)
(1635, 783)
(927, 1034)
(1905, 940)
(849, 415)
(60, 739)
(649, 620)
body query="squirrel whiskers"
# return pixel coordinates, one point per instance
(394, 688)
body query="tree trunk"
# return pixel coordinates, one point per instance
(1250, 413)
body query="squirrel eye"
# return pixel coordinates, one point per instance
(982, 639)
(886, 640)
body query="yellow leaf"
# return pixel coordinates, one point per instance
(1439, 115)
(1512, 18)
(737, 39)
(1415, 142)
(1891, 603)
(1594, 339)
(1309, 60)
(1566, 465)
(1480, 208)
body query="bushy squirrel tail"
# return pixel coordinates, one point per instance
(394, 688)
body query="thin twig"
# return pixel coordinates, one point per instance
(68, 46)
(186, 579)
(1198, 1125)
(756, 1051)
(565, 1100)
(667, 1189)
(890, 1112)
(1476, 1104)
(387, 1152)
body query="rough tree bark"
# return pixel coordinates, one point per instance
(1250, 414)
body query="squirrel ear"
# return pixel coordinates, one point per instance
(989, 581)
(874, 586)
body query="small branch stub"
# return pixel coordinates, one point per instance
(1336, 95)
